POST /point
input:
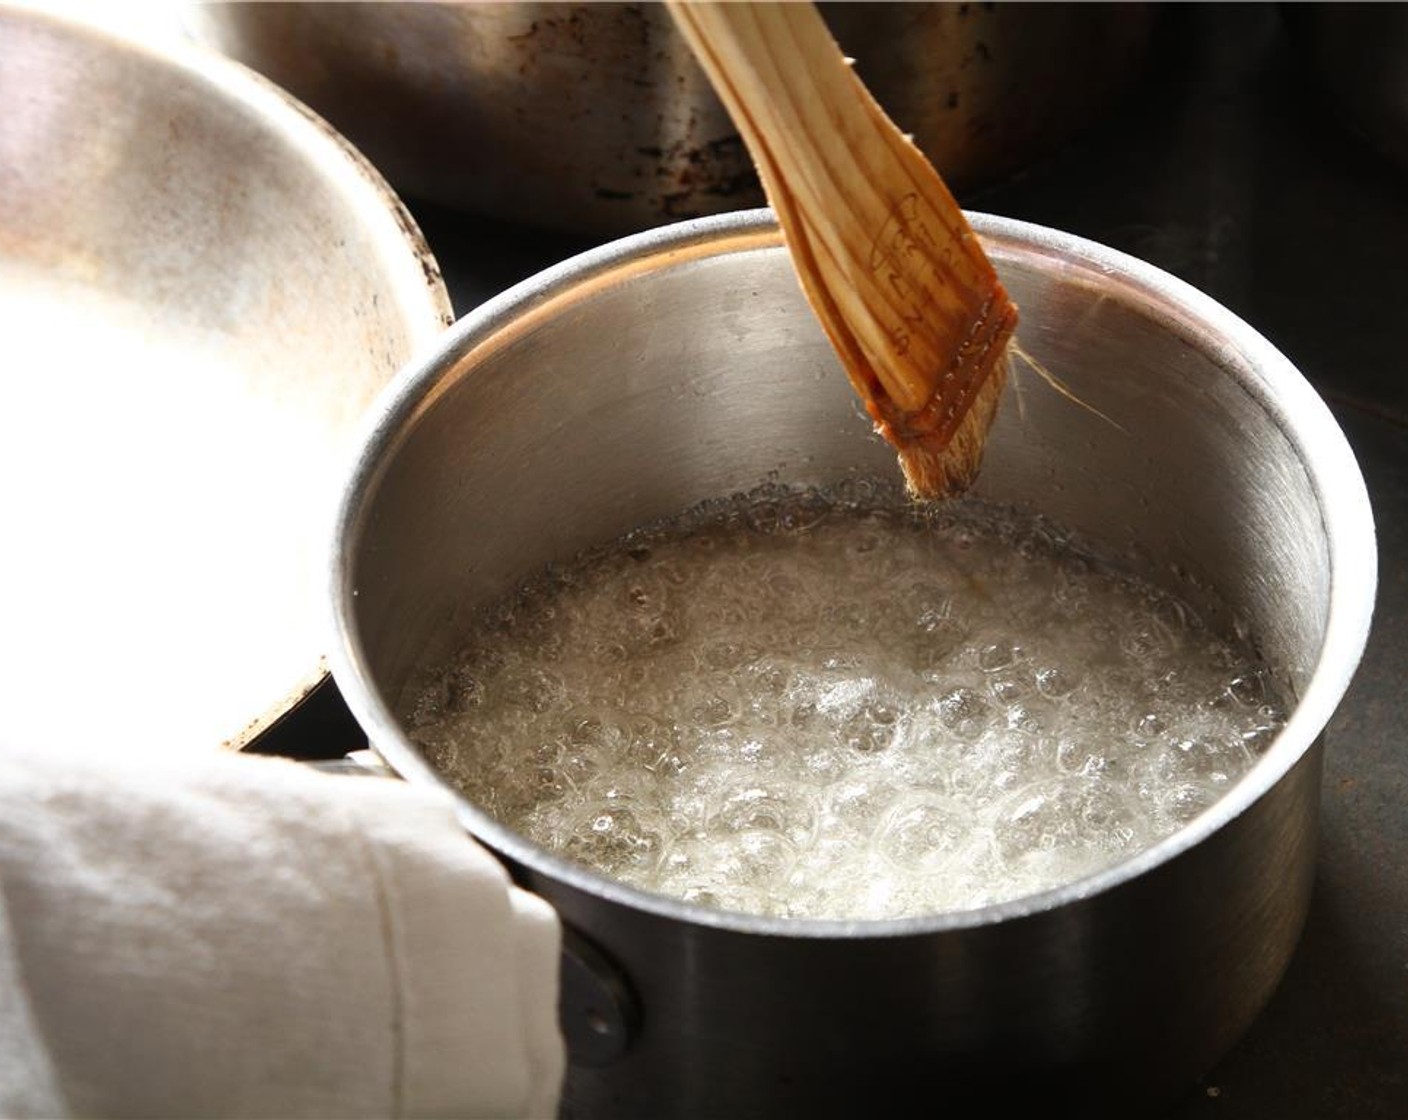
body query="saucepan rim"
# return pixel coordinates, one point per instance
(1259, 368)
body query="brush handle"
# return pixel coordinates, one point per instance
(884, 253)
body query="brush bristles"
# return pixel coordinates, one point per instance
(935, 469)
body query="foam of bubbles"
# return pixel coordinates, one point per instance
(800, 705)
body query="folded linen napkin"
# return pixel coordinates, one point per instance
(222, 935)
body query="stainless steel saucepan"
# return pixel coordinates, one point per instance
(683, 364)
(596, 118)
(201, 288)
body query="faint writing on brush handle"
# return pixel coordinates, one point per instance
(902, 259)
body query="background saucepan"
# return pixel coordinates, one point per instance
(595, 117)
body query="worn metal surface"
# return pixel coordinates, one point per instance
(683, 365)
(200, 290)
(595, 117)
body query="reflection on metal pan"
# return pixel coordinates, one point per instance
(201, 287)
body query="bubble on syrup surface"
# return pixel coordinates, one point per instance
(923, 831)
(751, 808)
(872, 726)
(613, 839)
(964, 712)
(1248, 688)
(1054, 681)
(999, 655)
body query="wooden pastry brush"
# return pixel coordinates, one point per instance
(886, 258)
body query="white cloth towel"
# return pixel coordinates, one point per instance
(219, 935)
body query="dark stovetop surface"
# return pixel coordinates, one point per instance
(1229, 167)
